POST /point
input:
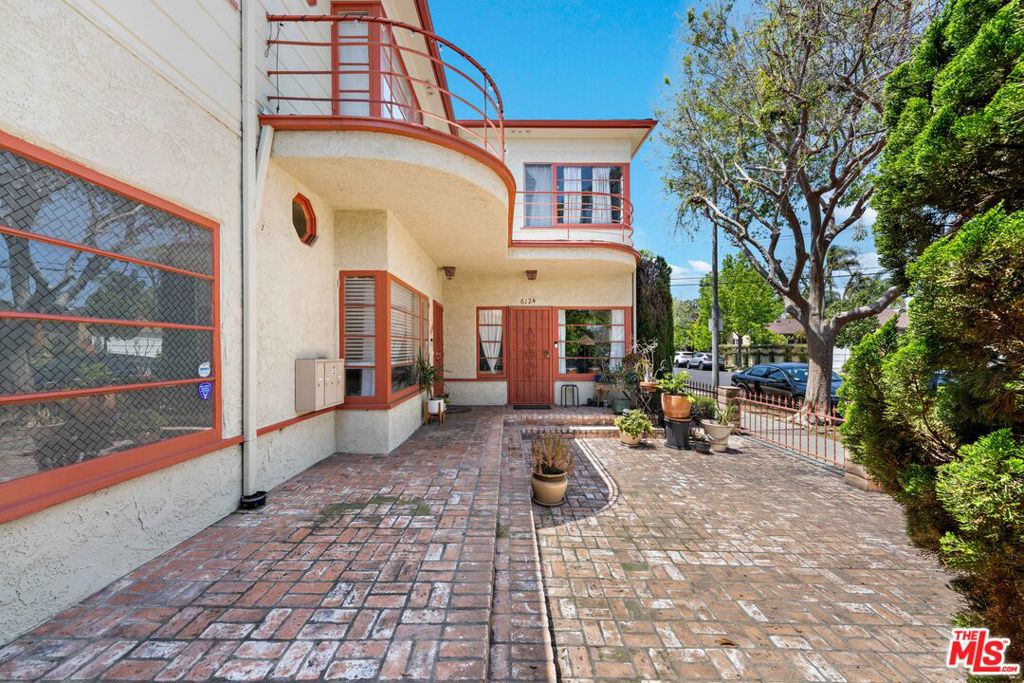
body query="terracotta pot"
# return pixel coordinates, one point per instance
(549, 489)
(718, 434)
(628, 439)
(648, 387)
(675, 407)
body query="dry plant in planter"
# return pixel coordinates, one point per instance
(552, 462)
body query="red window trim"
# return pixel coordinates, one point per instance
(383, 397)
(589, 376)
(25, 495)
(480, 374)
(555, 165)
(307, 209)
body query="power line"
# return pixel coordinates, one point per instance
(836, 276)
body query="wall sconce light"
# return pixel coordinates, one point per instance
(531, 275)
(449, 272)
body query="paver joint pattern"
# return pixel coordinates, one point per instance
(430, 564)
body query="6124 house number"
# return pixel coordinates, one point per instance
(526, 300)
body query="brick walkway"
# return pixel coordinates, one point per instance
(745, 566)
(423, 566)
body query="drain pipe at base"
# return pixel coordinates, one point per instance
(254, 172)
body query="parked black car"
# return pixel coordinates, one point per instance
(703, 361)
(780, 380)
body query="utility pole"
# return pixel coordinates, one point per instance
(716, 322)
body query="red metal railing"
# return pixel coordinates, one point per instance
(600, 216)
(785, 423)
(364, 67)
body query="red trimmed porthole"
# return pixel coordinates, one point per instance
(303, 219)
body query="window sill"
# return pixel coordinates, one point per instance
(26, 495)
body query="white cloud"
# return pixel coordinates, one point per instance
(869, 261)
(867, 219)
(700, 266)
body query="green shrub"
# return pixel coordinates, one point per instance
(702, 408)
(675, 384)
(634, 423)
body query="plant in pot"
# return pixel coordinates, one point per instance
(719, 429)
(622, 380)
(552, 462)
(428, 376)
(675, 401)
(633, 426)
(642, 354)
(702, 408)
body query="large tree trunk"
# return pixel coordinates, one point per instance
(820, 343)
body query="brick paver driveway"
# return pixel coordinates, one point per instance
(423, 565)
(745, 566)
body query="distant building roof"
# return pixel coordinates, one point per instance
(791, 326)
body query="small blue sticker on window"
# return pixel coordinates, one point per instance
(205, 390)
(204, 369)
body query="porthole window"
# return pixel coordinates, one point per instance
(303, 219)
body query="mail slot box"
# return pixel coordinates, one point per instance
(319, 383)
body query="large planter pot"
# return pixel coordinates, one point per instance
(648, 387)
(718, 434)
(629, 439)
(619, 405)
(549, 489)
(675, 407)
(435, 406)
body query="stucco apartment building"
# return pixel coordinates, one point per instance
(195, 195)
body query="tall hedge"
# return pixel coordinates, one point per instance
(654, 307)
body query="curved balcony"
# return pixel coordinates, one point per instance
(367, 112)
(356, 66)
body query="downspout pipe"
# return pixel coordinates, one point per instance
(251, 497)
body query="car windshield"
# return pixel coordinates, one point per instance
(799, 374)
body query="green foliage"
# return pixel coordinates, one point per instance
(654, 308)
(954, 168)
(674, 384)
(702, 408)
(684, 316)
(984, 493)
(858, 292)
(634, 423)
(746, 301)
(956, 120)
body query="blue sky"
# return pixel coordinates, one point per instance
(590, 59)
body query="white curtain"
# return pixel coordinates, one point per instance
(538, 200)
(618, 338)
(601, 197)
(572, 186)
(561, 342)
(490, 337)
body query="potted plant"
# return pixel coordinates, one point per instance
(675, 401)
(633, 426)
(702, 408)
(719, 429)
(552, 462)
(620, 379)
(643, 365)
(427, 376)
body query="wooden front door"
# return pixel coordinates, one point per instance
(439, 346)
(530, 381)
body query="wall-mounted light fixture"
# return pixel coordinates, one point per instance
(531, 275)
(449, 272)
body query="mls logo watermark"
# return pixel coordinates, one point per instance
(981, 655)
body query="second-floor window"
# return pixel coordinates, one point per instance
(566, 194)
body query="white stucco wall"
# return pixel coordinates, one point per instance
(297, 317)
(93, 100)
